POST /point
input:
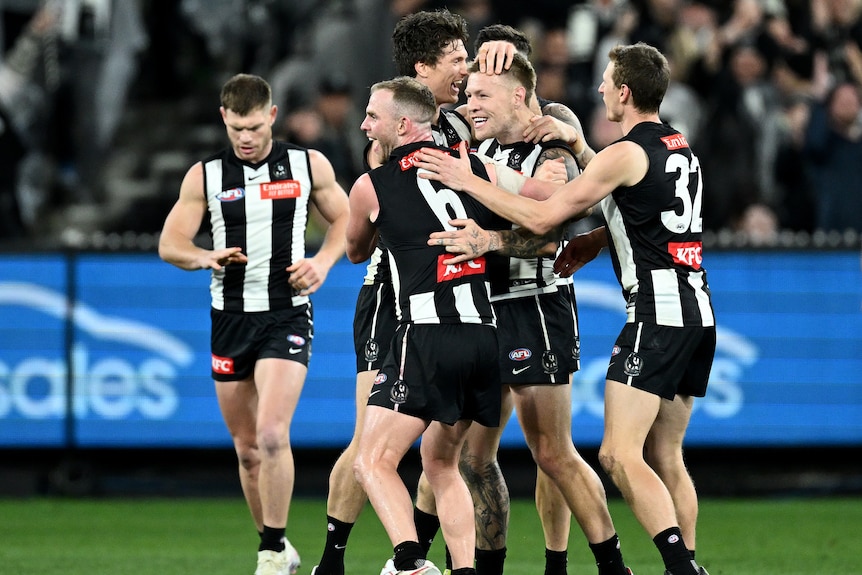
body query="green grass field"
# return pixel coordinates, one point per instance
(215, 537)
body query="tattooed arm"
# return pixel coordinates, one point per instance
(470, 241)
(559, 122)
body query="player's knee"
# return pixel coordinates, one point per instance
(609, 461)
(248, 456)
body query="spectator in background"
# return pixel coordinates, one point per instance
(838, 33)
(328, 124)
(833, 149)
(794, 201)
(101, 42)
(743, 113)
(28, 77)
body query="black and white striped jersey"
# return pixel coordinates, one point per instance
(655, 232)
(411, 208)
(262, 208)
(451, 130)
(522, 277)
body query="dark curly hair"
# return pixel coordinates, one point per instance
(505, 33)
(424, 36)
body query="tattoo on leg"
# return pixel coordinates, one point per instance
(490, 500)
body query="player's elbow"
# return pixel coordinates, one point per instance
(356, 254)
(539, 225)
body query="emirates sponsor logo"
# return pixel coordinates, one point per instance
(675, 142)
(285, 189)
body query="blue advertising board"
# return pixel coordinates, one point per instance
(109, 350)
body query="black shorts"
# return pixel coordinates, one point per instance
(374, 325)
(663, 360)
(539, 342)
(441, 372)
(238, 340)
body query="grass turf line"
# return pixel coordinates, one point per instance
(216, 537)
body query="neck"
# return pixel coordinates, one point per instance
(515, 131)
(422, 134)
(634, 118)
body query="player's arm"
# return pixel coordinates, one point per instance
(308, 274)
(176, 242)
(580, 250)
(621, 164)
(361, 231)
(559, 122)
(470, 241)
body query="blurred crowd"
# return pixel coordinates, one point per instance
(767, 91)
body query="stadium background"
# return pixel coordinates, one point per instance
(104, 385)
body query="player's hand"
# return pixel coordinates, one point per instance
(495, 56)
(307, 275)
(553, 171)
(454, 173)
(580, 250)
(469, 240)
(218, 259)
(546, 128)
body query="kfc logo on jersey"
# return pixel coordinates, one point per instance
(686, 253)
(675, 142)
(449, 272)
(285, 189)
(231, 195)
(222, 365)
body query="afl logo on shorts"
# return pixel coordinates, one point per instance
(381, 378)
(372, 349)
(398, 395)
(296, 340)
(520, 354)
(549, 362)
(633, 365)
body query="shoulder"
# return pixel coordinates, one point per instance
(623, 163)
(321, 167)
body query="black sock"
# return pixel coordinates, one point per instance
(677, 558)
(408, 556)
(448, 559)
(692, 554)
(427, 526)
(556, 562)
(271, 539)
(464, 571)
(489, 561)
(609, 558)
(332, 561)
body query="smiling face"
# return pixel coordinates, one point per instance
(250, 135)
(445, 77)
(381, 123)
(491, 104)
